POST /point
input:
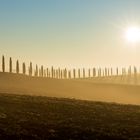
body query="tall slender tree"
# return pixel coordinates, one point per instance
(23, 68)
(56, 73)
(69, 74)
(59, 73)
(74, 73)
(108, 72)
(129, 71)
(10, 65)
(94, 72)
(84, 75)
(3, 63)
(17, 66)
(47, 72)
(117, 71)
(52, 72)
(111, 71)
(36, 71)
(42, 71)
(135, 75)
(79, 73)
(30, 69)
(89, 73)
(65, 73)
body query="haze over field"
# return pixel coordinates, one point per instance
(85, 89)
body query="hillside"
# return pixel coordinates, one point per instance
(87, 89)
(37, 118)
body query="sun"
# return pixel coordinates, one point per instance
(132, 34)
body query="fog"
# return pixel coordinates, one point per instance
(69, 88)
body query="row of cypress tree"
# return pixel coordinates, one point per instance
(64, 73)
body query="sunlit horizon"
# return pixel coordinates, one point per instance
(72, 34)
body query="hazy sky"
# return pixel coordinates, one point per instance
(71, 33)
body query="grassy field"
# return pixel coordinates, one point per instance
(32, 117)
(85, 89)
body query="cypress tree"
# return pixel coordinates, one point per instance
(36, 70)
(3, 63)
(84, 73)
(111, 71)
(89, 73)
(135, 75)
(108, 72)
(47, 72)
(42, 71)
(79, 73)
(10, 65)
(129, 71)
(105, 72)
(65, 73)
(94, 72)
(23, 68)
(98, 72)
(17, 67)
(52, 72)
(30, 69)
(59, 73)
(74, 73)
(117, 71)
(69, 74)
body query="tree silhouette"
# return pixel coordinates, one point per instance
(111, 71)
(23, 68)
(36, 70)
(129, 71)
(105, 72)
(17, 66)
(47, 72)
(65, 73)
(94, 72)
(99, 72)
(117, 71)
(74, 73)
(69, 73)
(57, 73)
(84, 73)
(79, 73)
(3, 63)
(10, 65)
(52, 72)
(42, 71)
(61, 74)
(30, 69)
(135, 75)
(89, 73)
(108, 72)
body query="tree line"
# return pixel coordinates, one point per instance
(65, 73)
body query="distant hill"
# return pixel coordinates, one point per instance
(80, 89)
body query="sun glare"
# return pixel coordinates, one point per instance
(132, 34)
